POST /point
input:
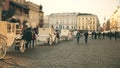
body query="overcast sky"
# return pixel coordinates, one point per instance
(102, 8)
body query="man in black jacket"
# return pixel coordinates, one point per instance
(86, 37)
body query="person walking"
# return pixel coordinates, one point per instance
(33, 38)
(103, 34)
(116, 35)
(78, 36)
(110, 35)
(52, 33)
(86, 37)
(28, 37)
(95, 37)
(93, 33)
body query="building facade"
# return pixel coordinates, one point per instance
(23, 12)
(63, 21)
(35, 14)
(88, 22)
(46, 24)
(115, 20)
(16, 12)
(107, 25)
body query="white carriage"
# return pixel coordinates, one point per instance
(66, 34)
(8, 37)
(44, 35)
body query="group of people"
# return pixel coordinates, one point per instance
(103, 35)
(97, 35)
(29, 35)
(78, 35)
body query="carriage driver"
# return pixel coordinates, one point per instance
(52, 32)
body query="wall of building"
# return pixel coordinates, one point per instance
(115, 20)
(74, 21)
(87, 22)
(33, 18)
(35, 14)
(46, 24)
(63, 20)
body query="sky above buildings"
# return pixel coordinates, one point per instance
(101, 8)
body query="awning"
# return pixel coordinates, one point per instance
(7, 14)
(19, 5)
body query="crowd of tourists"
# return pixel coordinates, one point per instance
(97, 35)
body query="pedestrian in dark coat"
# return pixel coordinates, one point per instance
(86, 37)
(33, 38)
(93, 33)
(116, 35)
(78, 36)
(95, 37)
(110, 35)
(57, 35)
(103, 35)
(28, 37)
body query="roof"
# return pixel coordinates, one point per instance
(19, 5)
(84, 14)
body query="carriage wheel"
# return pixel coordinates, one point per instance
(2, 48)
(22, 46)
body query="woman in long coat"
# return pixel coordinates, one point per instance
(27, 35)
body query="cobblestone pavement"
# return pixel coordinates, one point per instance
(67, 54)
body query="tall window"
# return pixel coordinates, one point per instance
(8, 28)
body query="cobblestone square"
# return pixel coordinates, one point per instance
(100, 53)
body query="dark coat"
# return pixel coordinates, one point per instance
(78, 35)
(27, 35)
(86, 35)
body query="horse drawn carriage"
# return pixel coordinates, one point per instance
(9, 35)
(66, 34)
(44, 35)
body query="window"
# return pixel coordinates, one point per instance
(8, 28)
(93, 22)
(82, 18)
(72, 27)
(13, 28)
(82, 27)
(67, 27)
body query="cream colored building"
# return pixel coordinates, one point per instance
(15, 9)
(46, 24)
(88, 22)
(35, 14)
(63, 20)
(115, 20)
